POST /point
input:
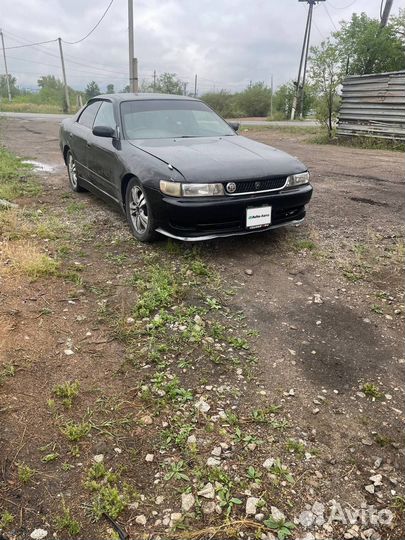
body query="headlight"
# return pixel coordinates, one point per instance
(177, 189)
(202, 190)
(297, 179)
(170, 188)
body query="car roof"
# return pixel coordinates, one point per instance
(128, 96)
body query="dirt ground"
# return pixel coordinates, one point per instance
(312, 320)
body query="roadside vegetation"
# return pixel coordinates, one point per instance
(155, 411)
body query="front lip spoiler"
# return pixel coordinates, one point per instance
(242, 233)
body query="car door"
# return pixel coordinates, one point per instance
(102, 156)
(79, 137)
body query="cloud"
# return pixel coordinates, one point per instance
(226, 42)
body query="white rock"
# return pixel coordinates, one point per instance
(130, 320)
(202, 406)
(317, 299)
(268, 464)
(159, 499)
(141, 520)
(259, 517)
(149, 457)
(192, 439)
(208, 491)
(174, 518)
(187, 501)
(147, 420)
(38, 534)
(370, 488)
(376, 479)
(98, 458)
(209, 507)
(277, 514)
(251, 505)
(68, 352)
(213, 462)
(217, 451)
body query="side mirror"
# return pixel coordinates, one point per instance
(234, 125)
(104, 131)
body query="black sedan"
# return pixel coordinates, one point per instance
(176, 168)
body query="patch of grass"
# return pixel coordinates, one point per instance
(53, 456)
(253, 474)
(109, 500)
(75, 207)
(377, 309)
(199, 268)
(303, 244)
(296, 447)
(8, 370)
(281, 472)
(23, 256)
(14, 177)
(368, 143)
(176, 472)
(238, 343)
(67, 391)
(382, 440)
(352, 275)
(25, 473)
(157, 292)
(75, 431)
(65, 522)
(98, 472)
(372, 390)
(6, 519)
(283, 528)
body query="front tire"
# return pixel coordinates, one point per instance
(72, 173)
(139, 212)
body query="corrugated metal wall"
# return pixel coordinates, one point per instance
(373, 106)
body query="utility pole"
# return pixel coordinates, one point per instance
(154, 80)
(64, 75)
(271, 97)
(133, 63)
(195, 85)
(185, 88)
(5, 66)
(305, 67)
(386, 13)
(304, 54)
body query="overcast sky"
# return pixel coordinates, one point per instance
(226, 42)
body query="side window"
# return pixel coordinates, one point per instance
(105, 115)
(88, 115)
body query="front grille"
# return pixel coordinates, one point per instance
(252, 186)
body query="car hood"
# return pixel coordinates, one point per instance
(213, 159)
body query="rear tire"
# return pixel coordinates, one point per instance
(139, 212)
(72, 173)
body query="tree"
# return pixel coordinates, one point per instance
(222, 102)
(110, 89)
(126, 89)
(326, 74)
(368, 48)
(168, 83)
(398, 25)
(255, 100)
(51, 82)
(92, 89)
(14, 91)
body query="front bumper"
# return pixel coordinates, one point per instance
(206, 218)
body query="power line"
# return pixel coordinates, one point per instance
(330, 18)
(94, 27)
(343, 7)
(31, 44)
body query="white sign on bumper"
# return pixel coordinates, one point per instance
(257, 217)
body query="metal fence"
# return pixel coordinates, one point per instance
(373, 106)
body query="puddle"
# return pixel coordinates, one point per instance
(39, 166)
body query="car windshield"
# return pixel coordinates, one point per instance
(171, 118)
